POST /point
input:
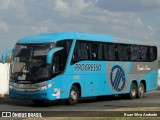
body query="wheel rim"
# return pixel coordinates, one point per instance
(74, 95)
(141, 91)
(133, 91)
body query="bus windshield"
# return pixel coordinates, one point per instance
(29, 62)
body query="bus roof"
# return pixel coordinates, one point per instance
(47, 38)
(54, 37)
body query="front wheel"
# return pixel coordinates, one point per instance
(141, 90)
(133, 91)
(73, 96)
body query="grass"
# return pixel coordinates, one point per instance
(140, 109)
(111, 118)
(147, 109)
(96, 118)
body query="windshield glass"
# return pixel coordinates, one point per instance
(29, 62)
(60, 57)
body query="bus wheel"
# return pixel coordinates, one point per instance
(73, 96)
(133, 91)
(38, 102)
(141, 90)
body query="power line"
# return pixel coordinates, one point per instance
(34, 5)
(93, 21)
(51, 10)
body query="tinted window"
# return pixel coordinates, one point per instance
(123, 52)
(90, 50)
(95, 49)
(111, 52)
(135, 53)
(106, 50)
(60, 57)
(145, 53)
(66, 44)
(153, 53)
(100, 51)
(80, 51)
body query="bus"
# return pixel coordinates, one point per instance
(72, 65)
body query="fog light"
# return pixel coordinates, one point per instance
(43, 95)
(11, 87)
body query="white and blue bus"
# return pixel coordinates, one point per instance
(72, 65)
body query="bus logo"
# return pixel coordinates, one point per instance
(117, 77)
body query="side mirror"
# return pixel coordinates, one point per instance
(5, 54)
(51, 53)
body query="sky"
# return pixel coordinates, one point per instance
(136, 20)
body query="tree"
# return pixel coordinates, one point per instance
(8, 59)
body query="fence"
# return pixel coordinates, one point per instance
(4, 79)
(159, 78)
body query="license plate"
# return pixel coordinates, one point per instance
(26, 96)
(32, 86)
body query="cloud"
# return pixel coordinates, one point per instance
(4, 4)
(129, 5)
(67, 15)
(61, 6)
(96, 19)
(87, 11)
(19, 19)
(3, 27)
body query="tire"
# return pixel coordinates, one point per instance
(38, 102)
(133, 91)
(73, 95)
(141, 90)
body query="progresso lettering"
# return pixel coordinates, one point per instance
(88, 67)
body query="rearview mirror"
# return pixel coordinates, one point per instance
(5, 54)
(51, 53)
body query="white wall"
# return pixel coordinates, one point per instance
(4, 79)
(159, 78)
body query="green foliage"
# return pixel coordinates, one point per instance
(8, 59)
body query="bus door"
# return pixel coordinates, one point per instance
(91, 79)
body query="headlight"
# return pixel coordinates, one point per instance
(47, 86)
(30, 87)
(11, 87)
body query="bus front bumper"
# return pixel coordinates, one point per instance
(47, 94)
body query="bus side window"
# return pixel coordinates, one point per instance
(83, 51)
(112, 52)
(61, 56)
(122, 52)
(80, 52)
(133, 53)
(136, 54)
(75, 57)
(106, 51)
(145, 54)
(153, 53)
(100, 51)
(56, 63)
(94, 51)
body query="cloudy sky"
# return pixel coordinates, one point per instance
(137, 20)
